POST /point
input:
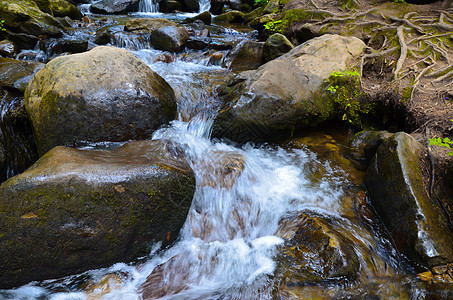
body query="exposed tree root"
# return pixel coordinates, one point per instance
(403, 52)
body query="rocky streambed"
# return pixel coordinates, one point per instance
(185, 155)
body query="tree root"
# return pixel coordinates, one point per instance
(403, 52)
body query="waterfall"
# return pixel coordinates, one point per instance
(148, 6)
(205, 5)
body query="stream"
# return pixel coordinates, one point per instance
(228, 246)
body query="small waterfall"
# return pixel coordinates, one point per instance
(205, 5)
(148, 6)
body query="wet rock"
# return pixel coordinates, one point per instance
(167, 6)
(191, 5)
(8, 48)
(233, 16)
(271, 7)
(198, 43)
(22, 40)
(228, 166)
(247, 55)
(106, 285)
(76, 210)
(15, 74)
(205, 17)
(169, 38)
(106, 94)
(248, 17)
(55, 47)
(258, 22)
(24, 16)
(102, 37)
(313, 251)
(366, 143)
(417, 224)
(147, 25)
(287, 93)
(276, 45)
(114, 6)
(216, 59)
(217, 6)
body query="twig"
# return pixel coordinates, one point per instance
(403, 54)
(314, 4)
(417, 79)
(438, 50)
(373, 55)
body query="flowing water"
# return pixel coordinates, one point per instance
(227, 247)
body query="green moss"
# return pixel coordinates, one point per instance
(294, 16)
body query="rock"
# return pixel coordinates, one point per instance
(366, 143)
(8, 48)
(217, 6)
(259, 22)
(147, 25)
(233, 16)
(114, 6)
(247, 55)
(287, 93)
(169, 38)
(248, 17)
(106, 94)
(102, 36)
(191, 5)
(216, 58)
(198, 43)
(76, 210)
(313, 251)
(59, 8)
(167, 6)
(204, 16)
(107, 284)
(417, 224)
(24, 16)
(271, 7)
(55, 47)
(276, 45)
(22, 40)
(15, 74)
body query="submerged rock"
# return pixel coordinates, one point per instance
(114, 6)
(75, 210)
(417, 224)
(106, 94)
(287, 93)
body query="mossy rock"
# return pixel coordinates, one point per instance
(287, 93)
(276, 45)
(169, 38)
(233, 16)
(106, 94)
(75, 210)
(59, 8)
(417, 224)
(24, 16)
(140, 25)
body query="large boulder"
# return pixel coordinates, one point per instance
(106, 94)
(416, 222)
(114, 6)
(75, 210)
(287, 93)
(24, 16)
(276, 45)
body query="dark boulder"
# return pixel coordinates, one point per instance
(247, 55)
(76, 210)
(275, 46)
(114, 6)
(169, 38)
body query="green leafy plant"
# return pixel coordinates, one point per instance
(273, 26)
(399, 1)
(445, 142)
(2, 28)
(261, 2)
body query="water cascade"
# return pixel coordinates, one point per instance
(148, 6)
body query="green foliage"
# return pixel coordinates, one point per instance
(261, 2)
(445, 142)
(399, 1)
(273, 26)
(2, 22)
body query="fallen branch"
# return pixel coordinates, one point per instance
(403, 52)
